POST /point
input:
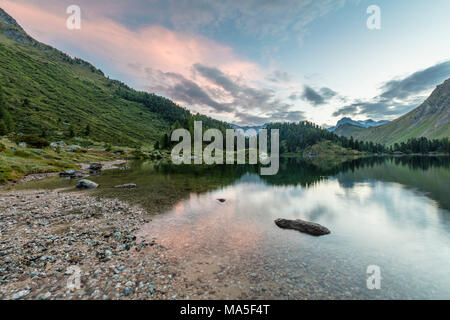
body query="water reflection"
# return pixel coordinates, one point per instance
(387, 212)
(392, 212)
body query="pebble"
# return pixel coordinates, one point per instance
(20, 294)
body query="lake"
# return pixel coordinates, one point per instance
(391, 213)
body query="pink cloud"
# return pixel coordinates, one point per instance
(152, 50)
(131, 51)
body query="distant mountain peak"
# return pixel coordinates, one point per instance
(358, 123)
(250, 130)
(431, 120)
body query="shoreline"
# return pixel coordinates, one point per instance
(107, 165)
(44, 233)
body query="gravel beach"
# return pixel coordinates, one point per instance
(47, 235)
(43, 233)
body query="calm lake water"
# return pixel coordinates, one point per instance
(389, 212)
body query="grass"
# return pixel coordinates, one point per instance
(46, 90)
(17, 162)
(326, 154)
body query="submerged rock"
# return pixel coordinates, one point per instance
(311, 228)
(72, 174)
(86, 184)
(126, 186)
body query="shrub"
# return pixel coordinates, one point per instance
(108, 147)
(24, 154)
(138, 155)
(33, 141)
(119, 151)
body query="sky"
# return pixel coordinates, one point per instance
(257, 61)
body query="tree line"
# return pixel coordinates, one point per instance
(188, 124)
(295, 137)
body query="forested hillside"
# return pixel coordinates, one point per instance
(51, 94)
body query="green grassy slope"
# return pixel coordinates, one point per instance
(349, 130)
(44, 89)
(430, 120)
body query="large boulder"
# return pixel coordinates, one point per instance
(311, 228)
(86, 184)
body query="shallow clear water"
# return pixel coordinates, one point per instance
(393, 213)
(388, 214)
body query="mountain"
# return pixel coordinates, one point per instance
(362, 123)
(246, 129)
(431, 120)
(349, 130)
(47, 91)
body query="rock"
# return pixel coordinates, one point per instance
(86, 184)
(95, 166)
(127, 292)
(20, 294)
(126, 186)
(303, 226)
(95, 293)
(45, 296)
(72, 174)
(221, 200)
(57, 144)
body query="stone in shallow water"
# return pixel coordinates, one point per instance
(86, 184)
(72, 174)
(126, 186)
(311, 228)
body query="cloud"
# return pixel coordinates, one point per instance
(279, 77)
(217, 77)
(182, 89)
(377, 110)
(317, 98)
(174, 55)
(294, 96)
(417, 82)
(225, 94)
(243, 95)
(399, 96)
(278, 116)
(274, 19)
(123, 48)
